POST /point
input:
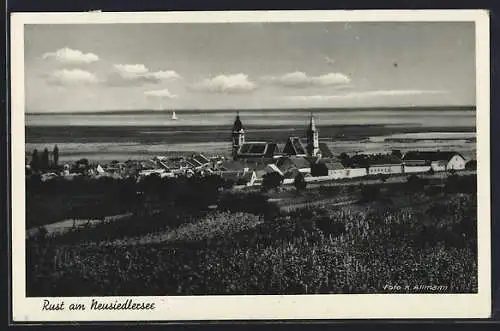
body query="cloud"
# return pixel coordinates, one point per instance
(329, 60)
(300, 79)
(231, 84)
(164, 75)
(131, 70)
(364, 94)
(72, 77)
(71, 56)
(133, 74)
(165, 93)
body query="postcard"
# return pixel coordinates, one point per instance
(259, 165)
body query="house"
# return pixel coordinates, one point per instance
(471, 165)
(99, 169)
(148, 164)
(201, 159)
(384, 164)
(176, 165)
(238, 165)
(290, 175)
(287, 163)
(162, 162)
(415, 168)
(355, 172)
(249, 178)
(48, 176)
(335, 168)
(195, 162)
(250, 170)
(148, 172)
(239, 178)
(192, 164)
(263, 169)
(436, 160)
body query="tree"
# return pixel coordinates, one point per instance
(271, 180)
(55, 154)
(397, 153)
(35, 162)
(228, 184)
(45, 159)
(300, 182)
(345, 160)
(82, 163)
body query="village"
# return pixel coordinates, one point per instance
(252, 160)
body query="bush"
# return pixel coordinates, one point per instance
(300, 182)
(241, 181)
(271, 180)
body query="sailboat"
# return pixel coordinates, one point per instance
(174, 116)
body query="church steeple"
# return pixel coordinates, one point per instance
(312, 138)
(237, 126)
(238, 135)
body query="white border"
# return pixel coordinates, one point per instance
(259, 307)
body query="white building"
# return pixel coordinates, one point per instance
(416, 161)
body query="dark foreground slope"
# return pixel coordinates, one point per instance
(408, 234)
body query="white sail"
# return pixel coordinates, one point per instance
(174, 117)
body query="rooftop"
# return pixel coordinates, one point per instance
(298, 162)
(258, 149)
(294, 146)
(430, 155)
(332, 163)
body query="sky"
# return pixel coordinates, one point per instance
(104, 67)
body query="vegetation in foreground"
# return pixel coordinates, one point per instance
(248, 246)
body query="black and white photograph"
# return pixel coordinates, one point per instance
(240, 157)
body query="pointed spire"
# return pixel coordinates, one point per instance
(237, 126)
(312, 124)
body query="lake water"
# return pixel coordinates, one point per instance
(144, 134)
(441, 117)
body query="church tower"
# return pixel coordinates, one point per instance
(238, 135)
(312, 138)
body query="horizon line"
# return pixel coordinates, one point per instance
(308, 109)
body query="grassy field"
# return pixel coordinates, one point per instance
(413, 233)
